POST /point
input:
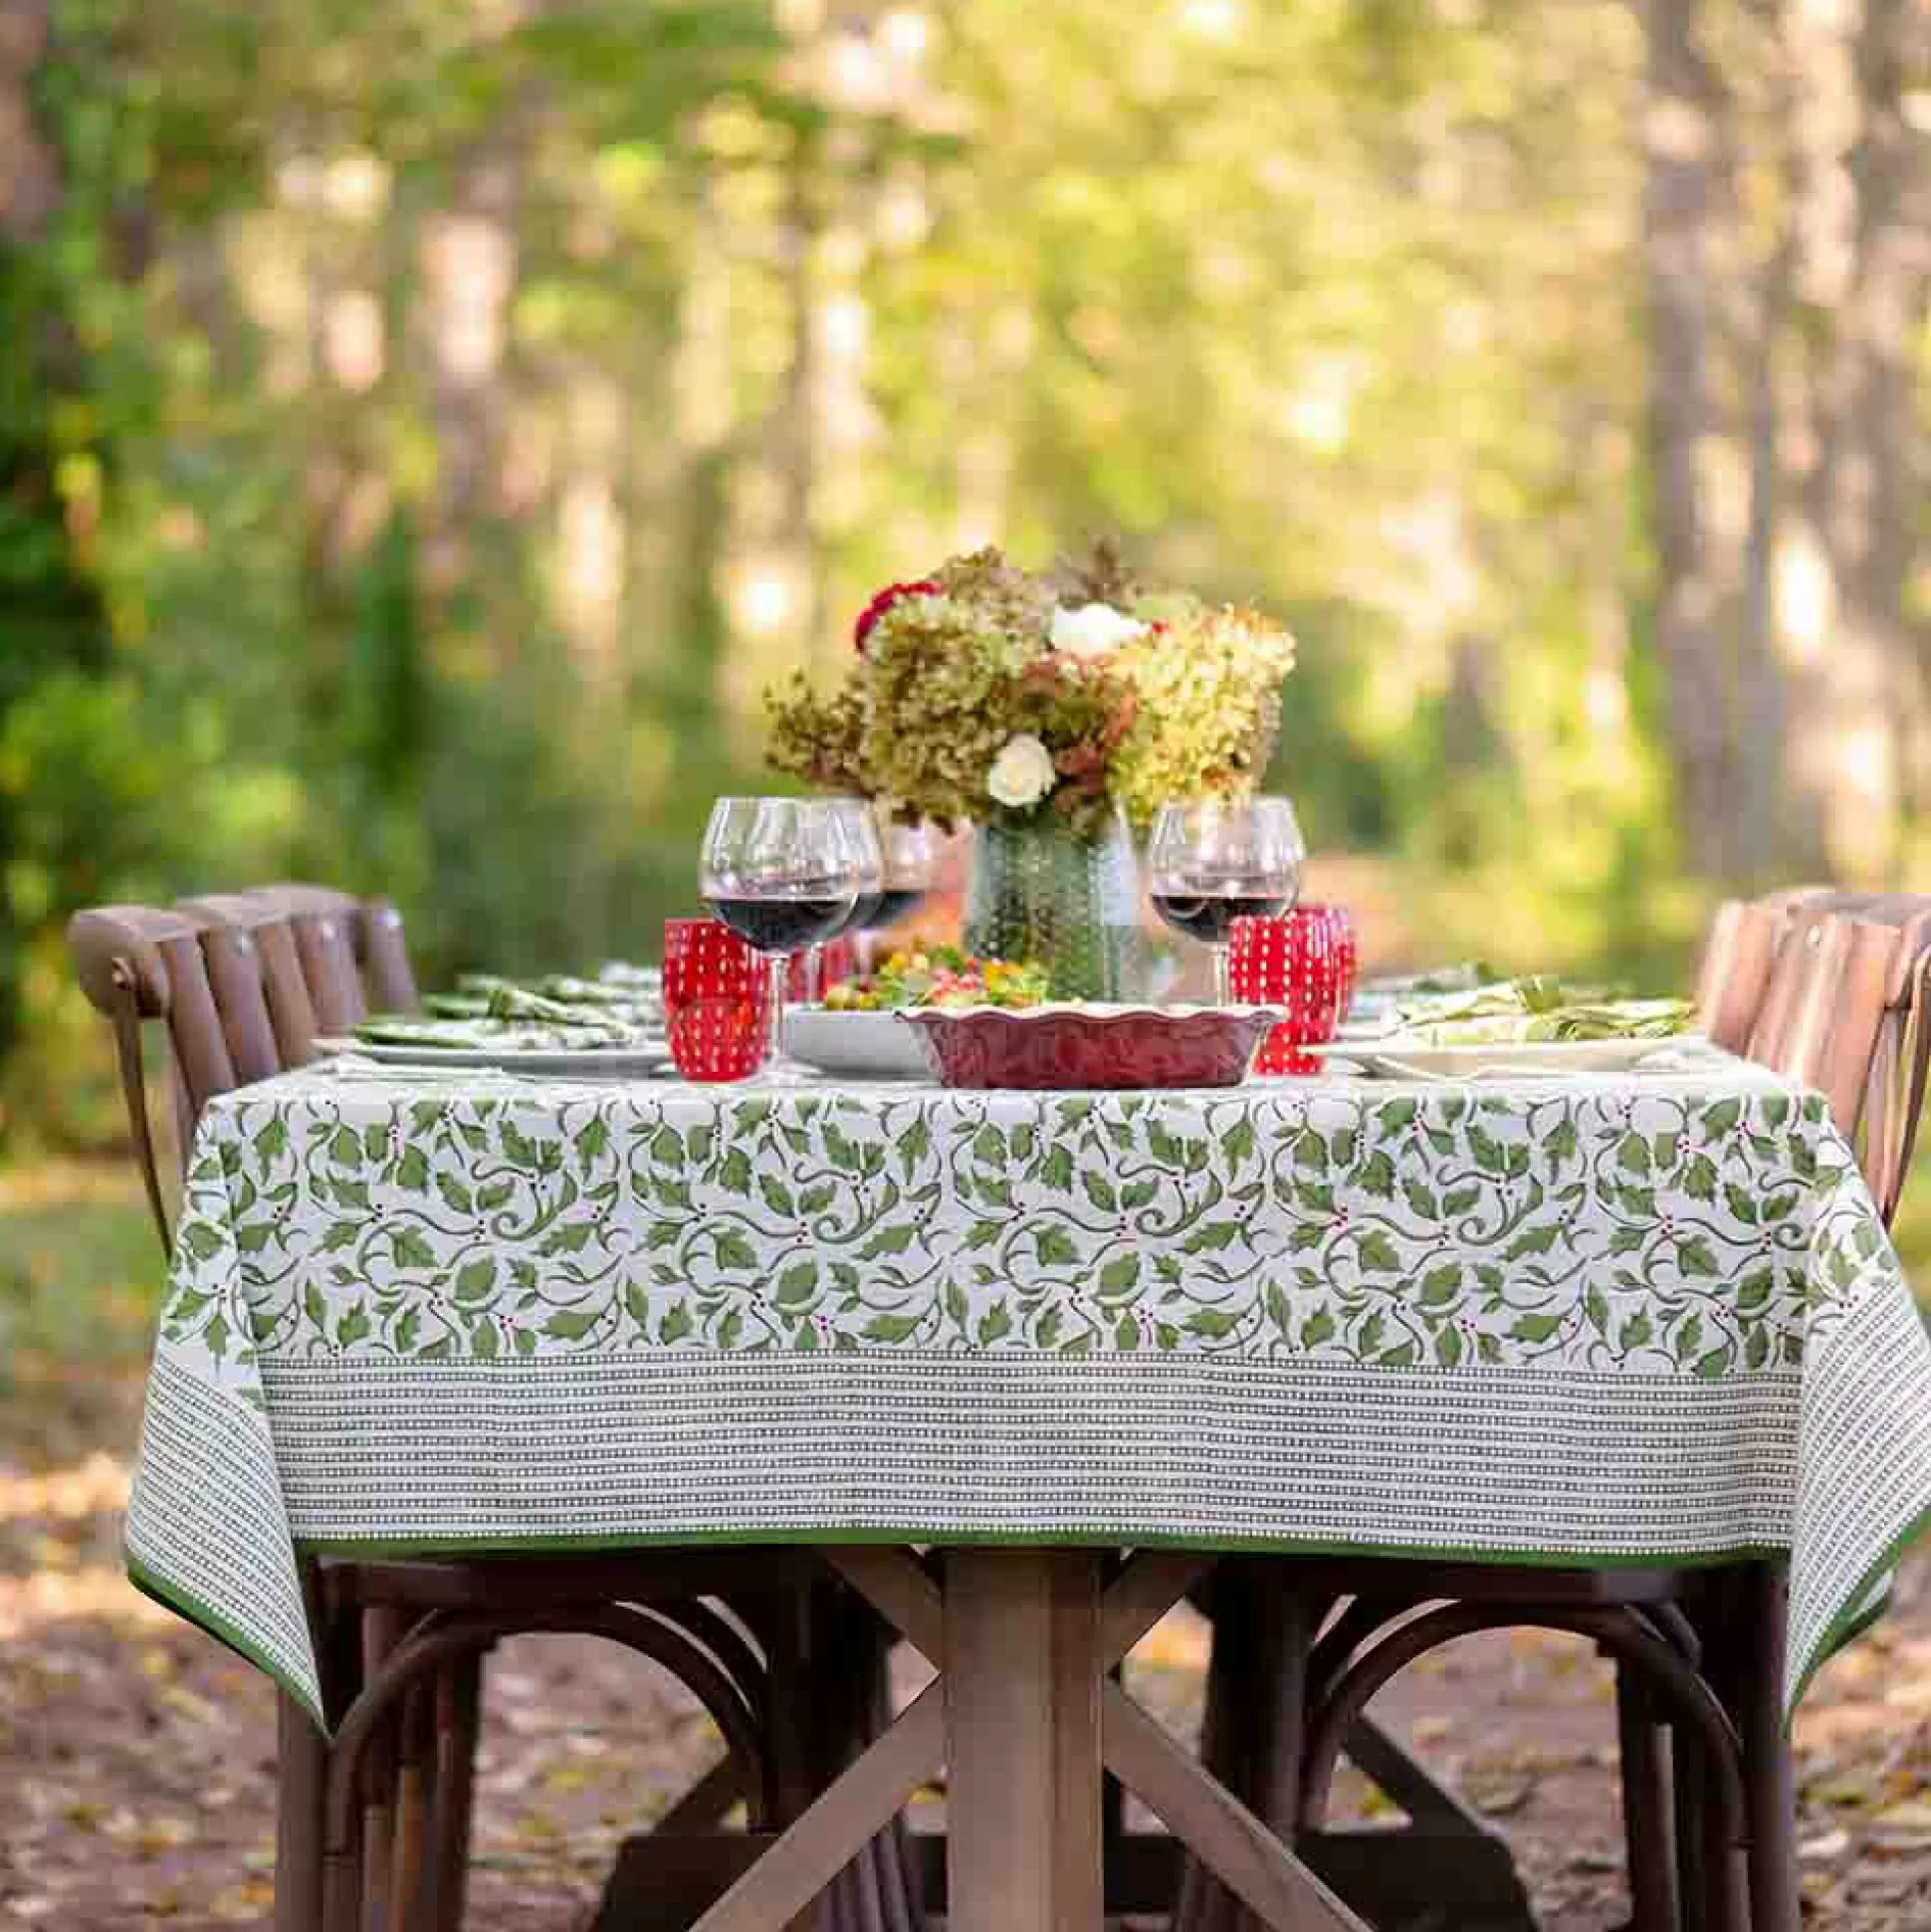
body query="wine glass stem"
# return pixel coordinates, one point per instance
(1222, 981)
(779, 966)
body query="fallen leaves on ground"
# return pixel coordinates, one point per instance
(143, 1754)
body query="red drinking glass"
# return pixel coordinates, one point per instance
(1341, 923)
(717, 1000)
(1294, 962)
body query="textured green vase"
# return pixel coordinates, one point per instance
(1073, 905)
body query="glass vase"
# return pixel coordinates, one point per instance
(1037, 892)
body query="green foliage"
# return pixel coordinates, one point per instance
(424, 430)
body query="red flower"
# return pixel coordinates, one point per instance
(880, 604)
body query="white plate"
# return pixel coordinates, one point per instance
(579, 1060)
(865, 1046)
(1393, 1058)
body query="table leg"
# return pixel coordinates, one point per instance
(1024, 1670)
(1758, 1640)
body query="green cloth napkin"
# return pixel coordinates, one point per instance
(556, 1001)
(495, 1034)
(1616, 1019)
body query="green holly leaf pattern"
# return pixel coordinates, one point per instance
(1446, 1228)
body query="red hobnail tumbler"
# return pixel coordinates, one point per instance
(717, 1000)
(1346, 959)
(1294, 962)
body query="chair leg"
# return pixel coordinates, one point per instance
(1251, 1742)
(458, 1700)
(414, 1805)
(1692, 1829)
(384, 1628)
(342, 1878)
(1645, 1809)
(302, 1775)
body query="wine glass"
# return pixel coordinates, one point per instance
(1215, 860)
(782, 874)
(911, 866)
(860, 825)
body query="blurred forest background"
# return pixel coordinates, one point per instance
(425, 425)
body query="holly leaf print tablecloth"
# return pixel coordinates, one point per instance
(1646, 1319)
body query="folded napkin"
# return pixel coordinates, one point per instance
(456, 1005)
(496, 1033)
(558, 999)
(1619, 1019)
(631, 993)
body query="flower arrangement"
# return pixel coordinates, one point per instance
(989, 693)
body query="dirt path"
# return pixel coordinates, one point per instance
(137, 1758)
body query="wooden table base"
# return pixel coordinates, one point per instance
(1026, 1716)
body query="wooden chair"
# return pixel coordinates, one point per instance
(372, 1833)
(354, 947)
(1837, 999)
(1739, 960)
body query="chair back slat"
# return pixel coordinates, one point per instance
(1838, 1046)
(135, 963)
(325, 948)
(194, 1027)
(1728, 985)
(251, 950)
(324, 922)
(1798, 979)
(290, 1007)
(1897, 1086)
(1845, 1013)
(230, 948)
(386, 973)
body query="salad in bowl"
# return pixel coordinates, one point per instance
(860, 1030)
(940, 976)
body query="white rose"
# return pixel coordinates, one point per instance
(1022, 774)
(1093, 630)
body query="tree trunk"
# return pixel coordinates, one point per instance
(1684, 430)
(1861, 745)
(30, 181)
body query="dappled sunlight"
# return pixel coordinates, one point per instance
(97, 1485)
(48, 1597)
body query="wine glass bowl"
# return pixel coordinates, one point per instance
(910, 854)
(859, 825)
(1213, 860)
(784, 874)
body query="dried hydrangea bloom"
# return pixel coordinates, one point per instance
(1005, 595)
(818, 737)
(940, 694)
(1209, 687)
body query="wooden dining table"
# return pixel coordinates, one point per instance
(1020, 1367)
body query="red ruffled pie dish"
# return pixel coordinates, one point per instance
(1078, 1047)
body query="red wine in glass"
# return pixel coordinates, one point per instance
(1210, 916)
(784, 925)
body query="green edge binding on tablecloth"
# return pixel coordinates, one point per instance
(485, 1544)
(1859, 1613)
(185, 1603)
